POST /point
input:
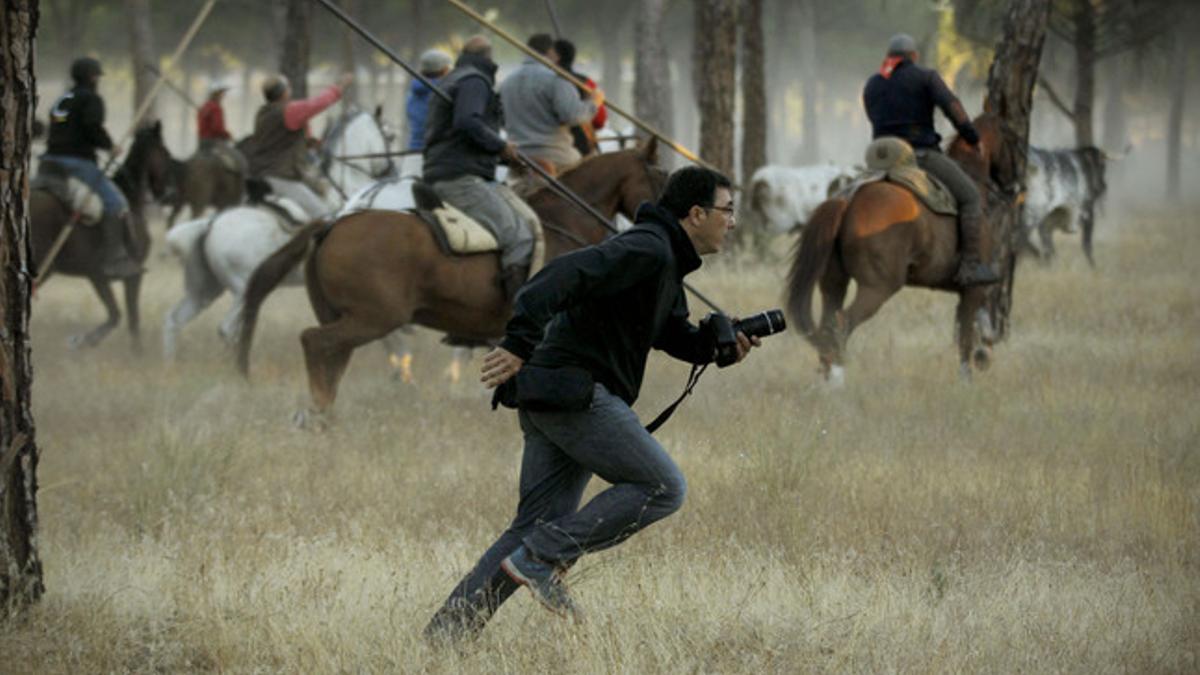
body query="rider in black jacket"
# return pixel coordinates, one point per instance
(76, 132)
(601, 310)
(900, 100)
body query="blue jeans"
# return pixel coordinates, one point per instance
(562, 451)
(92, 175)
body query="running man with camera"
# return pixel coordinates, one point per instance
(572, 361)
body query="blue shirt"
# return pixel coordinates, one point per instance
(417, 108)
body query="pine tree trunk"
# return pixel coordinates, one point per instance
(1085, 72)
(1179, 77)
(754, 89)
(141, 49)
(1115, 131)
(1010, 96)
(294, 50)
(810, 147)
(652, 84)
(20, 567)
(716, 41)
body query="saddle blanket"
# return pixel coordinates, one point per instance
(893, 160)
(74, 193)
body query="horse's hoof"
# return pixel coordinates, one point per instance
(307, 419)
(964, 372)
(982, 358)
(836, 379)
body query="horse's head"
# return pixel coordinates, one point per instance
(149, 159)
(645, 182)
(357, 132)
(995, 159)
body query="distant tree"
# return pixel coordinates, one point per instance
(349, 59)
(142, 53)
(1011, 79)
(20, 567)
(652, 83)
(715, 75)
(810, 148)
(1178, 86)
(754, 88)
(296, 44)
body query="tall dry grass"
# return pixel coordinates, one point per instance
(1044, 518)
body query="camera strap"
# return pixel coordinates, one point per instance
(663, 416)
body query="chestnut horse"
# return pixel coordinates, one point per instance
(376, 271)
(884, 238)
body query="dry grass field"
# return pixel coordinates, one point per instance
(1044, 519)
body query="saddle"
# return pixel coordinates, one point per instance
(258, 193)
(57, 180)
(893, 159)
(458, 234)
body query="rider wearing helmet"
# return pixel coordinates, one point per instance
(76, 132)
(900, 100)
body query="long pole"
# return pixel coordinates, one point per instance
(558, 187)
(61, 239)
(558, 33)
(461, 6)
(173, 87)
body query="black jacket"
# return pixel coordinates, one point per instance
(902, 105)
(462, 137)
(602, 308)
(77, 125)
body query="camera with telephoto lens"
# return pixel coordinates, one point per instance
(724, 331)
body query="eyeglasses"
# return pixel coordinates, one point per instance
(727, 210)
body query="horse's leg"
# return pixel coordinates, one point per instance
(867, 300)
(231, 325)
(1046, 234)
(327, 351)
(94, 336)
(972, 320)
(399, 355)
(133, 288)
(458, 357)
(833, 287)
(196, 298)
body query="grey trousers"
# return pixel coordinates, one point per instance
(965, 192)
(497, 208)
(303, 195)
(562, 451)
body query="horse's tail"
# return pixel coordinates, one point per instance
(266, 278)
(812, 256)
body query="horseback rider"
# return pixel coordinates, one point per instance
(462, 148)
(540, 108)
(76, 131)
(582, 135)
(214, 137)
(899, 100)
(277, 150)
(434, 65)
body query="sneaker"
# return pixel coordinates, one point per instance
(544, 581)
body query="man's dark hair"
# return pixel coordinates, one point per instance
(566, 53)
(541, 43)
(691, 186)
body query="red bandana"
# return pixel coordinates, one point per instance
(889, 65)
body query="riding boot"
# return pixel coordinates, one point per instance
(511, 279)
(971, 269)
(117, 260)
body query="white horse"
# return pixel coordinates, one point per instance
(220, 253)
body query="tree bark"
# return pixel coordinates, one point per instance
(1115, 131)
(716, 41)
(652, 77)
(754, 89)
(1085, 72)
(1011, 79)
(1179, 75)
(296, 44)
(142, 53)
(20, 566)
(810, 146)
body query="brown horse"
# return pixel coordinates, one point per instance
(146, 165)
(203, 181)
(884, 238)
(376, 271)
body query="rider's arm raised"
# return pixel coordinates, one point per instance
(298, 113)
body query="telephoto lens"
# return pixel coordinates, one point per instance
(763, 324)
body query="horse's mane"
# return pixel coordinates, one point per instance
(586, 161)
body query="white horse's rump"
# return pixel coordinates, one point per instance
(782, 198)
(220, 253)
